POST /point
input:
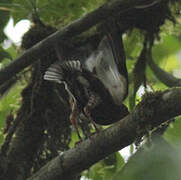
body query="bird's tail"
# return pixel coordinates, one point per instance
(58, 71)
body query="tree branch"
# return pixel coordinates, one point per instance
(155, 109)
(73, 29)
(165, 77)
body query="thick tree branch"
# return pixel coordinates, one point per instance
(73, 29)
(154, 109)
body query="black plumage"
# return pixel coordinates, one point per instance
(98, 87)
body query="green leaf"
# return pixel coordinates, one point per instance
(74, 139)
(133, 44)
(5, 15)
(22, 9)
(161, 161)
(53, 12)
(173, 133)
(168, 45)
(10, 102)
(4, 54)
(131, 149)
(105, 169)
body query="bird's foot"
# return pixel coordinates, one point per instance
(87, 113)
(94, 134)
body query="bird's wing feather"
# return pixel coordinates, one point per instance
(110, 66)
(57, 72)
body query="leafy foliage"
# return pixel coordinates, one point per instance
(61, 12)
(4, 12)
(8, 104)
(161, 160)
(4, 54)
(173, 134)
(105, 169)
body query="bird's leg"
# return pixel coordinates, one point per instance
(87, 113)
(73, 116)
(93, 101)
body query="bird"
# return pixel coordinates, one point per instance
(97, 87)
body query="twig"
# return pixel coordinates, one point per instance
(165, 77)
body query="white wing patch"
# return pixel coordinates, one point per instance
(56, 71)
(107, 72)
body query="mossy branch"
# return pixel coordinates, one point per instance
(155, 109)
(69, 31)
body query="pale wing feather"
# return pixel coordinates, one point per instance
(107, 72)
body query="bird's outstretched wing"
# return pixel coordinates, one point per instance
(108, 62)
(62, 73)
(58, 72)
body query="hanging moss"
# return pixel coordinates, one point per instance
(148, 19)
